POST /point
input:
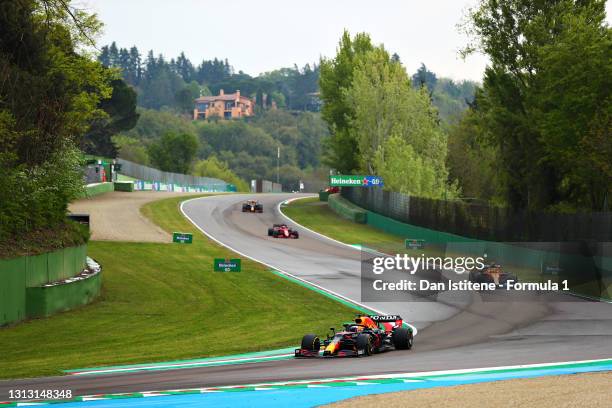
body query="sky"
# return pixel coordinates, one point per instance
(260, 36)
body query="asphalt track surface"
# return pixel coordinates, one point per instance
(453, 334)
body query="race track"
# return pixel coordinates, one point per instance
(452, 335)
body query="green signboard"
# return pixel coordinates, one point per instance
(182, 237)
(227, 265)
(354, 181)
(415, 243)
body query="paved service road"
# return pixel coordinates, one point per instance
(452, 335)
(115, 216)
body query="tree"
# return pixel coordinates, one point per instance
(395, 125)
(121, 116)
(424, 77)
(50, 94)
(134, 72)
(131, 149)
(184, 100)
(336, 77)
(545, 89)
(113, 53)
(213, 167)
(174, 152)
(104, 56)
(472, 161)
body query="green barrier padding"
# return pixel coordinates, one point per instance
(12, 290)
(411, 231)
(36, 270)
(323, 195)
(100, 188)
(346, 209)
(55, 264)
(44, 301)
(124, 186)
(586, 275)
(16, 275)
(68, 263)
(80, 258)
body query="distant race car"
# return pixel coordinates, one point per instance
(492, 273)
(282, 231)
(252, 206)
(367, 335)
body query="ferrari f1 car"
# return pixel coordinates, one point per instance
(492, 273)
(366, 335)
(252, 206)
(282, 231)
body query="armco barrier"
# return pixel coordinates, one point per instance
(16, 275)
(346, 209)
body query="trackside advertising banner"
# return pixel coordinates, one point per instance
(354, 181)
(140, 185)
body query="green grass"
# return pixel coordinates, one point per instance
(41, 241)
(316, 215)
(163, 302)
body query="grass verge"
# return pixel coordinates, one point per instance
(316, 215)
(37, 242)
(163, 302)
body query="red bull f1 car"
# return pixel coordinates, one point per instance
(282, 231)
(252, 206)
(366, 335)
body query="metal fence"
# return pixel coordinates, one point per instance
(482, 221)
(149, 174)
(265, 186)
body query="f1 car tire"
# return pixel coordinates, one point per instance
(270, 232)
(402, 338)
(296, 234)
(364, 342)
(311, 342)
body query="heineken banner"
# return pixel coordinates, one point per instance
(354, 181)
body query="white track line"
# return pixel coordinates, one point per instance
(272, 266)
(418, 374)
(179, 365)
(308, 229)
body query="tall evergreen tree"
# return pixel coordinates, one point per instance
(113, 53)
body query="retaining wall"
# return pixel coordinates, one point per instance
(19, 275)
(43, 301)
